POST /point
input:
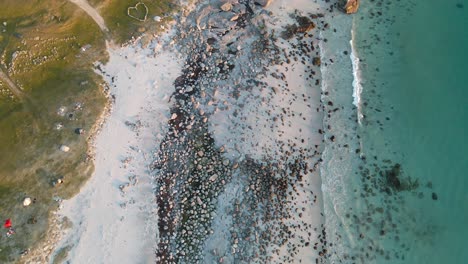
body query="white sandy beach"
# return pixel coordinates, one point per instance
(114, 215)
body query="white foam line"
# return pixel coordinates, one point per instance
(357, 86)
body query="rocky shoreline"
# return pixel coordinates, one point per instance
(241, 56)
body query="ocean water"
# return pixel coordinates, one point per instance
(395, 179)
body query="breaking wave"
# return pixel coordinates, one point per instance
(357, 86)
(341, 86)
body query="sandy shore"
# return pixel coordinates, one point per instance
(113, 216)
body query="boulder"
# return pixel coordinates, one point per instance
(79, 131)
(305, 24)
(263, 3)
(27, 201)
(350, 6)
(226, 7)
(222, 20)
(316, 61)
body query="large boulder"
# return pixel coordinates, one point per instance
(263, 3)
(350, 6)
(226, 7)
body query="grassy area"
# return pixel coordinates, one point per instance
(47, 48)
(123, 27)
(41, 50)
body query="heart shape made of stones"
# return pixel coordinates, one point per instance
(138, 12)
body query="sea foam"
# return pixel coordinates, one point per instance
(357, 86)
(339, 86)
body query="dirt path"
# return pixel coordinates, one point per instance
(11, 85)
(92, 12)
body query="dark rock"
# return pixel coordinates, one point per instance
(79, 131)
(263, 3)
(392, 177)
(316, 61)
(434, 196)
(305, 24)
(289, 31)
(32, 220)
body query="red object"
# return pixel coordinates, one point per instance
(7, 223)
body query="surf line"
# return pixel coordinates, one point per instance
(357, 85)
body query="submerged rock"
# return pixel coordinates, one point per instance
(393, 177)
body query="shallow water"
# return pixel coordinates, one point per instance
(414, 106)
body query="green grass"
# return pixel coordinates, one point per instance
(123, 27)
(53, 31)
(40, 50)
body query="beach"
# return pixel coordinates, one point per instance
(113, 216)
(210, 150)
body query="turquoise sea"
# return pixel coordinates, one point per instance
(395, 179)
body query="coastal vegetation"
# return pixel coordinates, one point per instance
(50, 100)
